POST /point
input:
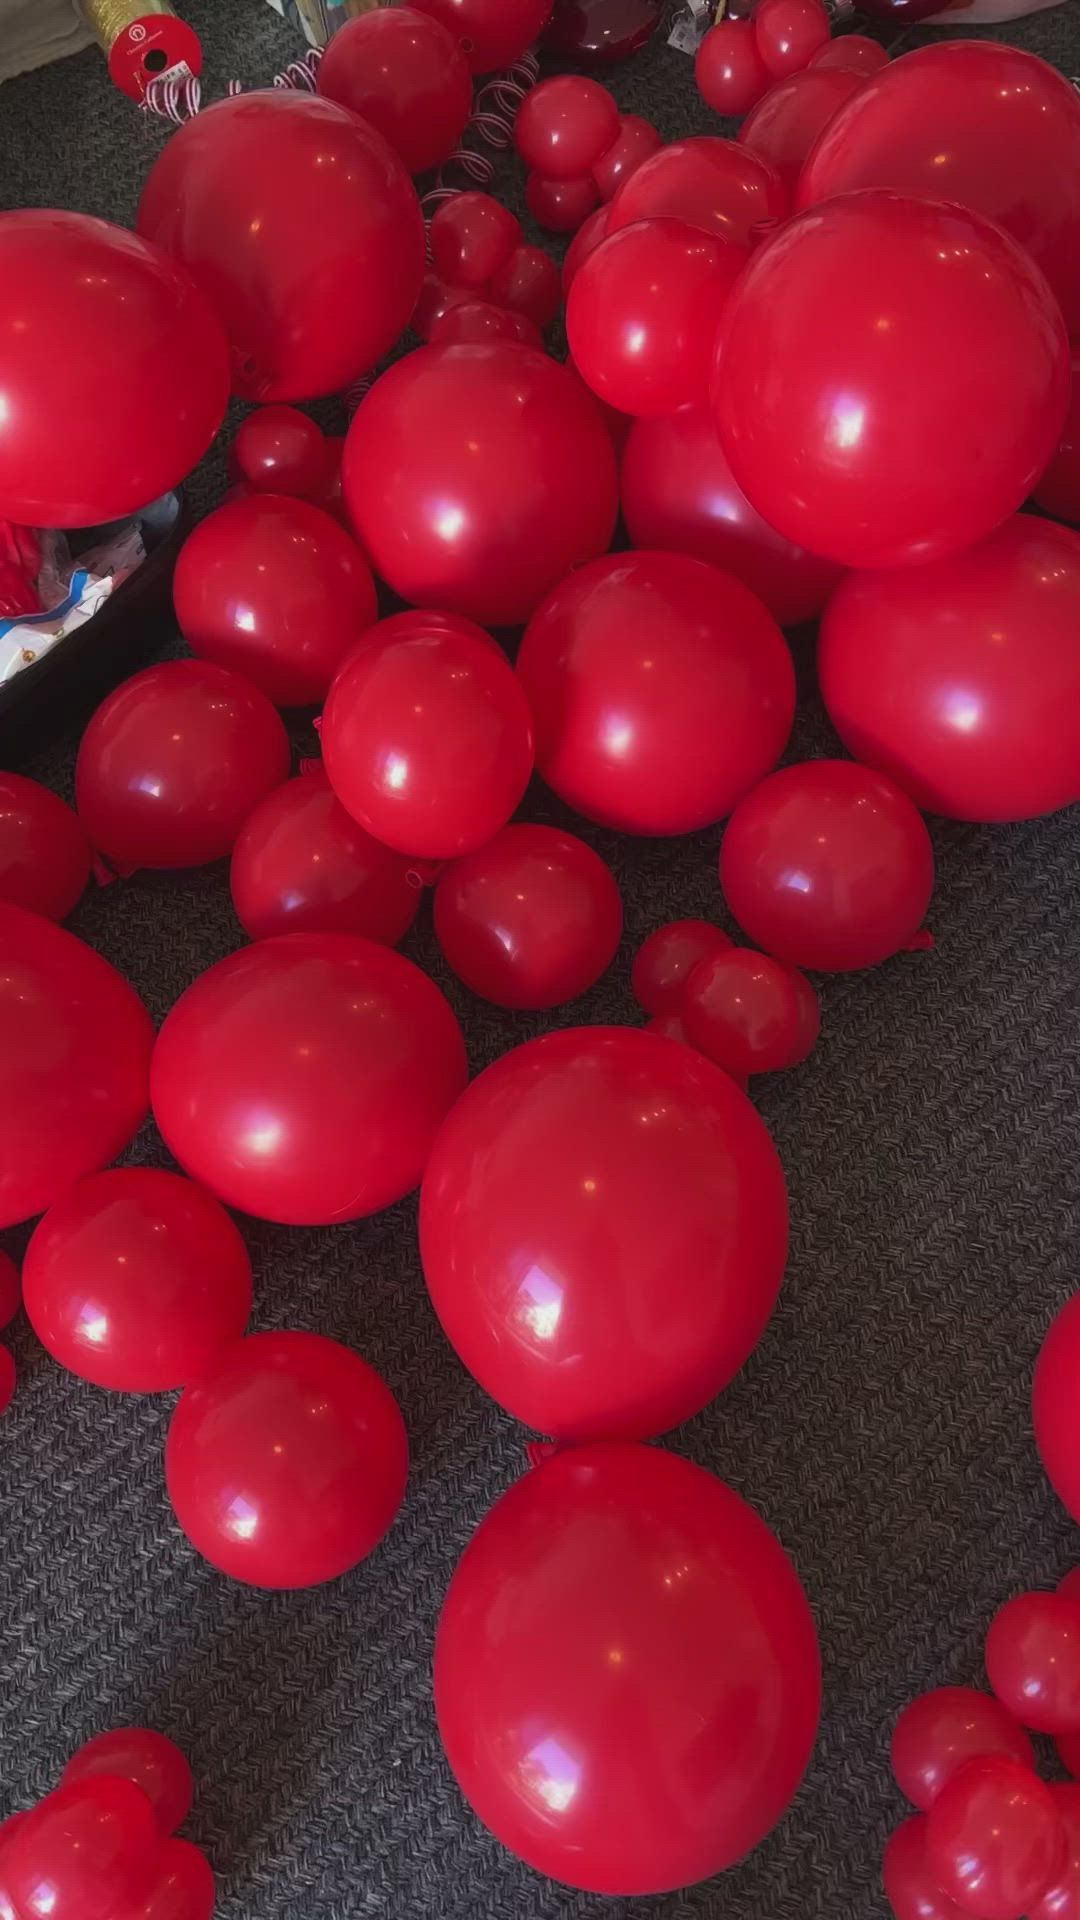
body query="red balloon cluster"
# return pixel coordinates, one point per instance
(487, 284)
(739, 61)
(580, 150)
(744, 1011)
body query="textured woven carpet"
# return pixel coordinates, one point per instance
(882, 1427)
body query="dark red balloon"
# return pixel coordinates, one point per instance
(664, 962)
(114, 373)
(910, 1884)
(472, 235)
(661, 690)
(135, 1278)
(402, 72)
(530, 920)
(435, 300)
(750, 1013)
(286, 1462)
(1062, 1899)
(304, 1078)
(789, 33)
(477, 476)
(565, 125)
(678, 493)
(83, 1853)
(561, 206)
(148, 1759)
(642, 1713)
(828, 432)
(829, 866)
(977, 122)
(528, 282)
(942, 1730)
(1056, 1405)
(45, 857)
(182, 1887)
(475, 322)
(10, 1291)
(1033, 1660)
(173, 762)
(310, 301)
(994, 1839)
(784, 125)
(730, 72)
(632, 145)
(303, 865)
(279, 450)
(585, 242)
(75, 1046)
(554, 1276)
(1058, 492)
(855, 52)
(713, 184)
(961, 679)
(490, 33)
(600, 32)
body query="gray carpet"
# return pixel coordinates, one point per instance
(882, 1427)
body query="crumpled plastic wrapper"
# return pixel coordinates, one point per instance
(45, 594)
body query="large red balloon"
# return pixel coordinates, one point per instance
(491, 33)
(678, 493)
(45, 856)
(304, 1078)
(627, 1678)
(114, 373)
(622, 1254)
(150, 1760)
(1058, 492)
(477, 476)
(75, 1046)
(976, 122)
(531, 920)
(784, 125)
(911, 1886)
(1033, 1660)
(286, 1462)
(428, 740)
(661, 689)
(134, 1279)
(829, 866)
(994, 1838)
(275, 589)
(83, 1853)
(173, 762)
(1056, 1405)
(402, 72)
(303, 229)
(961, 679)
(940, 1731)
(1061, 1901)
(868, 441)
(713, 184)
(303, 865)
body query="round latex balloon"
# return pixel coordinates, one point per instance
(435, 299)
(784, 125)
(148, 1759)
(45, 856)
(910, 1884)
(279, 450)
(664, 962)
(632, 145)
(641, 1715)
(994, 1838)
(750, 1013)
(1058, 492)
(490, 33)
(303, 865)
(1056, 1405)
(528, 282)
(173, 762)
(477, 476)
(1061, 1901)
(1033, 1660)
(474, 322)
(530, 920)
(828, 433)
(561, 206)
(471, 236)
(975, 122)
(276, 590)
(713, 184)
(428, 741)
(286, 1462)
(309, 304)
(182, 1887)
(304, 1078)
(730, 72)
(565, 126)
(83, 1853)
(405, 74)
(585, 242)
(557, 1277)
(75, 1046)
(114, 372)
(679, 494)
(789, 33)
(661, 690)
(10, 1291)
(855, 51)
(940, 1731)
(961, 679)
(134, 1278)
(829, 866)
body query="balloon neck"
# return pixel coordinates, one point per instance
(425, 873)
(537, 1451)
(921, 942)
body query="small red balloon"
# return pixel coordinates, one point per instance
(828, 866)
(940, 1731)
(303, 865)
(995, 1839)
(1056, 1405)
(528, 282)
(855, 52)
(405, 74)
(1062, 1899)
(182, 1888)
(276, 590)
(730, 72)
(472, 235)
(1033, 1660)
(1058, 492)
(784, 125)
(148, 1759)
(600, 32)
(135, 1278)
(910, 1884)
(45, 856)
(173, 762)
(632, 145)
(436, 299)
(10, 1289)
(664, 962)
(661, 691)
(565, 125)
(8, 1383)
(490, 33)
(713, 184)
(789, 33)
(561, 206)
(750, 1013)
(279, 450)
(531, 920)
(83, 1853)
(585, 241)
(474, 322)
(286, 1462)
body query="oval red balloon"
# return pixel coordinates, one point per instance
(910, 1882)
(45, 856)
(664, 962)
(1033, 1660)
(749, 1013)
(713, 184)
(279, 450)
(994, 1838)
(83, 1853)
(471, 236)
(403, 73)
(149, 1760)
(642, 1715)
(1056, 1405)
(565, 125)
(784, 125)
(940, 1731)
(303, 865)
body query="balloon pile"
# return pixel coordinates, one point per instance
(579, 149)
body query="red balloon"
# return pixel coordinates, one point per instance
(148, 1759)
(961, 679)
(661, 690)
(632, 145)
(182, 1889)
(940, 1731)
(303, 229)
(1058, 492)
(75, 1046)
(789, 33)
(114, 373)
(828, 432)
(664, 962)
(642, 1713)
(477, 476)
(600, 32)
(286, 1462)
(10, 1292)
(750, 1013)
(855, 52)
(828, 866)
(134, 1279)
(303, 865)
(784, 125)
(402, 72)
(8, 1383)
(276, 590)
(435, 300)
(428, 741)
(1056, 1405)
(643, 312)
(561, 206)
(83, 1853)
(994, 1838)
(303, 1079)
(910, 1884)
(678, 493)
(730, 72)
(976, 122)
(554, 1276)
(279, 450)
(713, 184)
(531, 920)
(475, 322)
(1062, 1900)
(565, 126)
(585, 242)
(1033, 1660)
(491, 33)
(8, 1828)
(45, 857)
(472, 235)
(528, 282)
(1070, 1585)
(173, 762)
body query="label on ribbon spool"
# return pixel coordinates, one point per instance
(151, 48)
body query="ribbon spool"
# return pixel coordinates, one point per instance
(144, 40)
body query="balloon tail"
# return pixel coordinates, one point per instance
(922, 942)
(102, 873)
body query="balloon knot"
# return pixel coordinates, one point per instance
(921, 942)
